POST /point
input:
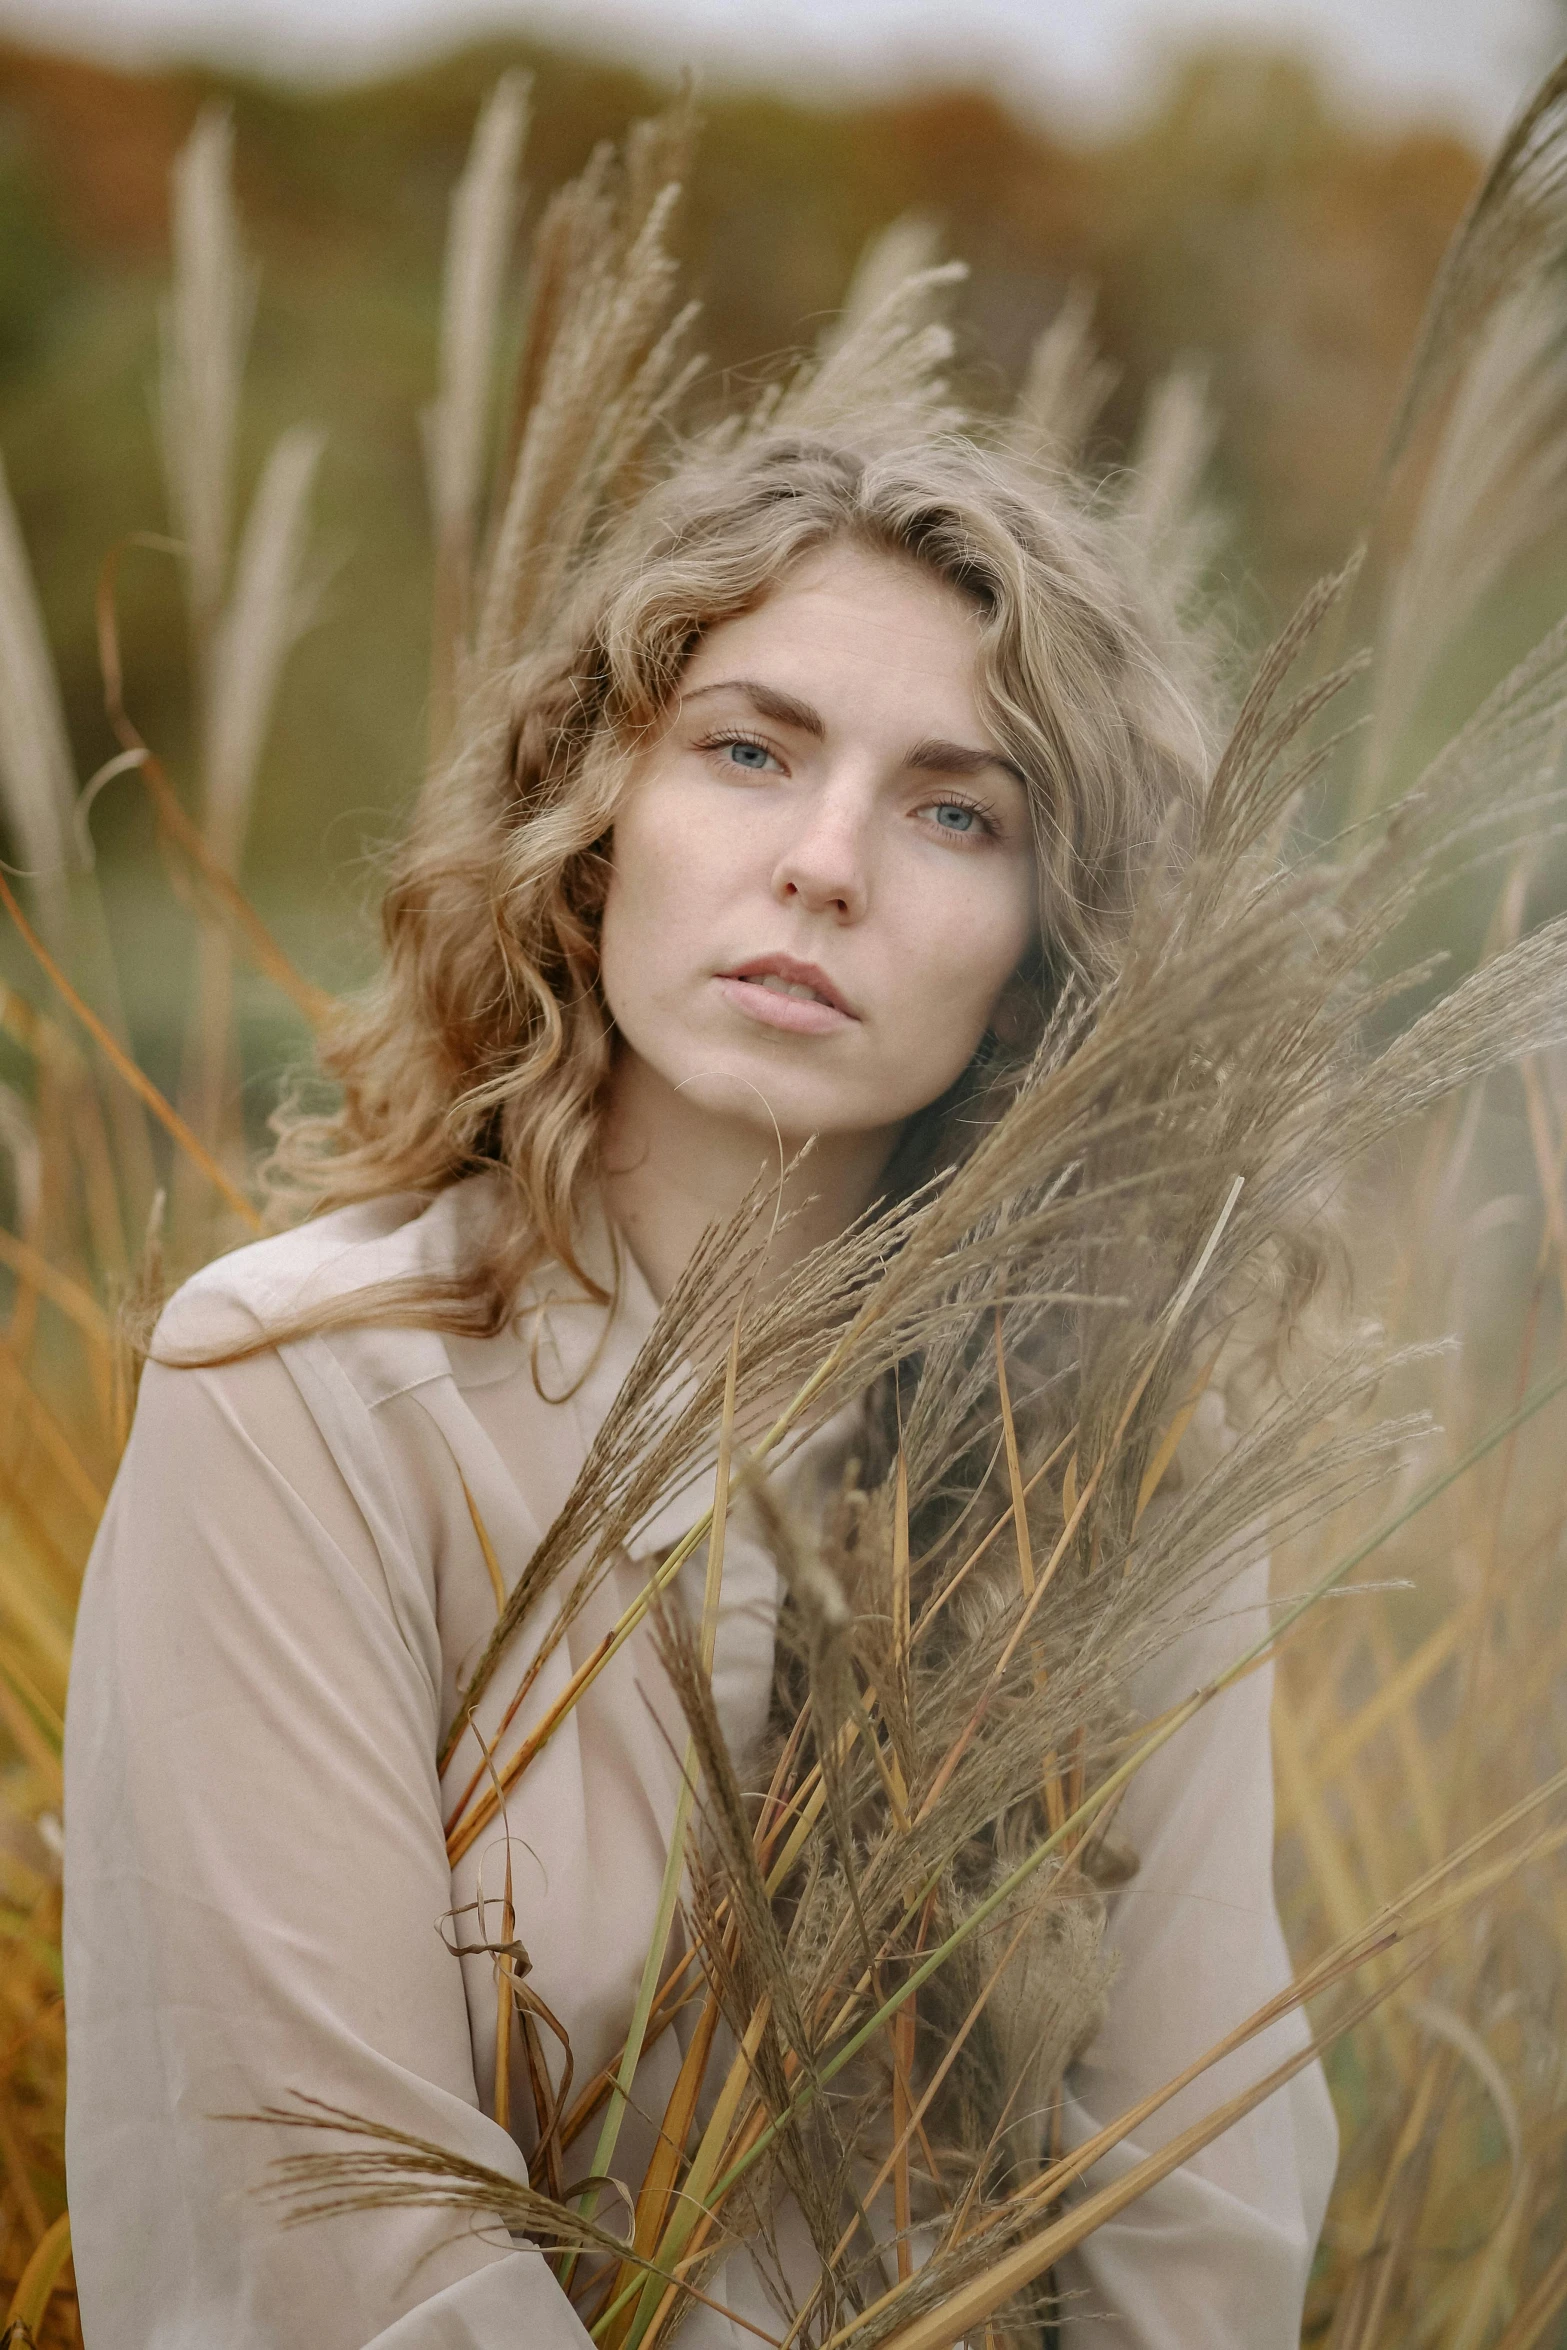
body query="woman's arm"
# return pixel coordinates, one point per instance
(255, 1874)
(1217, 2256)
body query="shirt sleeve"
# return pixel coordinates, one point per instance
(255, 1875)
(1215, 2257)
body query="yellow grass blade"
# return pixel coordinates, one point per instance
(38, 1613)
(900, 1568)
(81, 1307)
(1169, 1443)
(313, 1002)
(691, 2217)
(35, 2288)
(653, 2203)
(1025, 1552)
(957, 2312)
(935, 1605)
(50, 1436)
(492, 1565)
(505, 2004)
(1395, 1695)
(902, 2139)
(1108, 1792)
(30, 1741)
(627, 1624)
(125, 1068)
(1542, 2307)
(46, 1713)
(1344, 1898)
(1069, 1488)
(713, 1587)
(811, 1808)
(461, 1836)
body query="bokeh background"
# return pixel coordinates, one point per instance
(1265, 188)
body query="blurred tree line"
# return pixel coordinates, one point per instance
(1244, 220)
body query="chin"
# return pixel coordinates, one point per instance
(752, 1097)
(754, 1091)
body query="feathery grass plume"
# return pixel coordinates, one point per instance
(37, 771)
(601, 366)
(1496, 486)
(1482, 406)
(981, 2264)
(38, 797)
(1161, 495)
(905, 249)
(206, 325)
(884, 370)
(1514, 228)
(457, 427)
(247, 605)
(1064, 387)
(20, 1142)
(1172, 531)
(263, 615)
(267, 608)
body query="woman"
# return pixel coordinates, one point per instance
(845, 758)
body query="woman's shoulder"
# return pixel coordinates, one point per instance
(282, 1282)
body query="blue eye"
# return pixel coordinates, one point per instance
(750, 755)
(952, 816)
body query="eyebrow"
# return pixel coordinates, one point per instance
(933, 756)
(767, 701)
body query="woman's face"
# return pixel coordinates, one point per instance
(822, 873)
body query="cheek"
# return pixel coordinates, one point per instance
(630, 932)
(639, 881)
(960, 957)
(666, 876)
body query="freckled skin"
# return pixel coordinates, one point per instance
(854, 845)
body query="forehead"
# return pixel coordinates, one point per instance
(851, 621)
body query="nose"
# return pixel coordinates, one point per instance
(822, 867)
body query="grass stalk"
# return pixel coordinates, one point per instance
(126, 1069)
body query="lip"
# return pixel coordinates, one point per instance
(798, 1014)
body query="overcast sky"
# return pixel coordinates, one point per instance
(1465, 61)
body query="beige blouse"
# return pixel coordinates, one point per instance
(285, 1595)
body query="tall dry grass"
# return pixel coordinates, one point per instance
(1409, 1714)
(1413, 1716)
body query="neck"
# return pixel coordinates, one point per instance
(673, 1167)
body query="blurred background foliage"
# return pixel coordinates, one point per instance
(1243, 221)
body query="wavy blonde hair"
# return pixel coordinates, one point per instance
(485, 1040)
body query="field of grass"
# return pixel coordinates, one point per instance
(1414, 1708)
